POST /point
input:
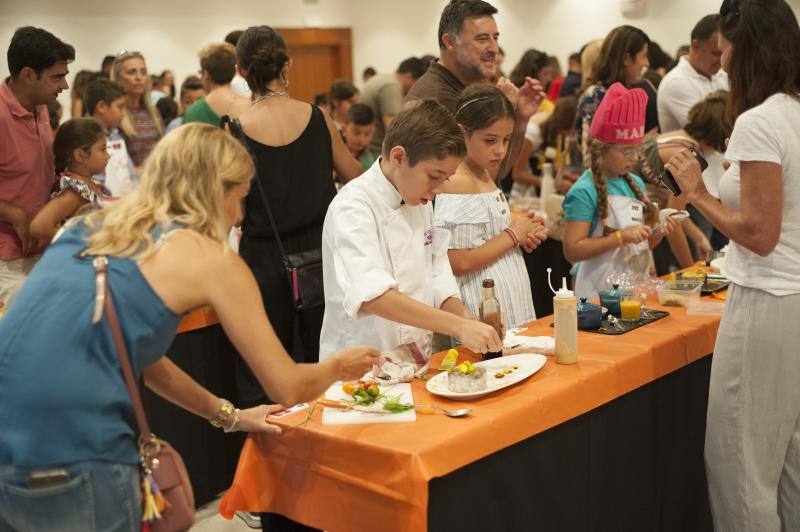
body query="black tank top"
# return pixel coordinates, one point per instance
(297, 179)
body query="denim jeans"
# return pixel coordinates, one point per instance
(98, 496)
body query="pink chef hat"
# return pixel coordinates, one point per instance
(619, 118)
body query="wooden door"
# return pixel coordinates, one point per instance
(319, 56)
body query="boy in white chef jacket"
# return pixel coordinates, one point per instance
(387, 276)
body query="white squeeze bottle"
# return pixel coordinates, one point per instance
(565, 309)
(548, 183)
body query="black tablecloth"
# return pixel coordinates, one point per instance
(634, 464)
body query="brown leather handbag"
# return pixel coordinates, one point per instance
(167, 497)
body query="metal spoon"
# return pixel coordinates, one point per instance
(449, 413)
(615, 322)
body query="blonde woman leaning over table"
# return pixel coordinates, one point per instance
(64, 403)
(752, 446)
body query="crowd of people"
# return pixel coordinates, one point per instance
(402, 192)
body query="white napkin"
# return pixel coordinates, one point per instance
(544, 345)
(401, 364)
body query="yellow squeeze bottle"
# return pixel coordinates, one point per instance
(565, 308)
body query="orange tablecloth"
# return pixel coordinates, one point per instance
(200, 318)
(347, 477)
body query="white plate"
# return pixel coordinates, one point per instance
(528, 364)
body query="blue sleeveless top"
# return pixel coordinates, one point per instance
(62, 396)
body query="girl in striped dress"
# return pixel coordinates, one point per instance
(484, 241)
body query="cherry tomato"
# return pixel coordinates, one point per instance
(374, 391)
(349, 388)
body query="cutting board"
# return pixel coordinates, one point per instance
(336, 416)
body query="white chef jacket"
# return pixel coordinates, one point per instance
(373, 242)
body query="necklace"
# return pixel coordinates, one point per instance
(266, 95)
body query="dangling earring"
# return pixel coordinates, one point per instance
(285, 82)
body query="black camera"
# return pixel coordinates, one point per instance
(669, 181)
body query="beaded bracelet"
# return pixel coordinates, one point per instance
(620, 241)
(513, 236)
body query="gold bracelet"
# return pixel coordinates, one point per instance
(619, 238)
(225, 411)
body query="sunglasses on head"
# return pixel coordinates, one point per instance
(729, 8)
(125, 54)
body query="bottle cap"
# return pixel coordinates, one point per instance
(488, 283)
(563, 291)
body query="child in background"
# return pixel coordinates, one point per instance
(192, 89)
(485, 242)
(359, 126)
(80, 153)
(105, 101)
(341, 96)
(607, 208)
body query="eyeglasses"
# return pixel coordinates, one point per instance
(628, 153)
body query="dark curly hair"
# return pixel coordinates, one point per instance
(709, 122)
(262, 53)
(38, 49)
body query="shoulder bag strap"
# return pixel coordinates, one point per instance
(104, 304)
(235, 128)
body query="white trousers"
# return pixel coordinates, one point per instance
(12, 274)
(752, 447)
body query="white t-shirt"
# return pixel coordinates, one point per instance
(239, 86)
(767, 133)
(680, 89)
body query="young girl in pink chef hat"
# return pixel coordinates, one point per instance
(609, 220)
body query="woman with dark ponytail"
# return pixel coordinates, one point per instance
(296, 148)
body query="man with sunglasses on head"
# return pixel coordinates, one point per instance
(38, 64)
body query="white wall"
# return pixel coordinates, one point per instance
(385, 32)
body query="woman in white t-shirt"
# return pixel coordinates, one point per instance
(752, 447)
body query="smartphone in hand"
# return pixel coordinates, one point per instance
(669, 181)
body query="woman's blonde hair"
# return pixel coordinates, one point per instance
(184, 181)
(127, 120)
(589, 59)
(598, 151)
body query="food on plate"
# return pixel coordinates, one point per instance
(363, 392)
(367, 395)
(674, 300)
(466, 378)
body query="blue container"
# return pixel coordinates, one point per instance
(611, 298)
(590, 316)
